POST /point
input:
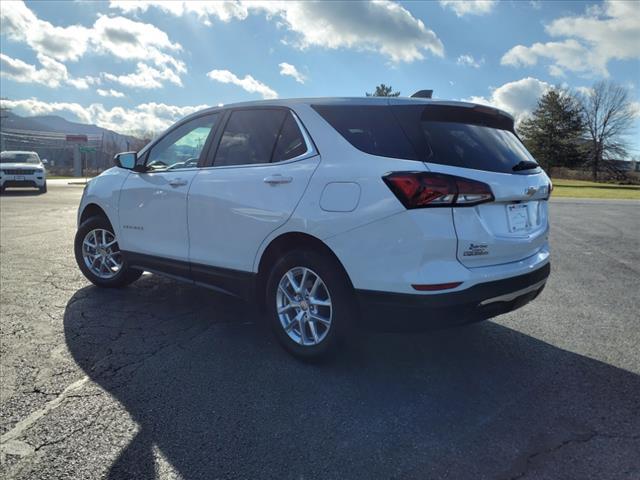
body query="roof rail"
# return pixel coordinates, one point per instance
(422, 94)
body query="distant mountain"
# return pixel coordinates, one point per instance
(35, 133)
(54, 123)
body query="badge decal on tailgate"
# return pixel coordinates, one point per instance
(476, 249)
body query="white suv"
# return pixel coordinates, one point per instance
(22, 169)
(394, 213)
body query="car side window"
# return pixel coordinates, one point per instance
(181, 147)
(290, 142)
(250, 137)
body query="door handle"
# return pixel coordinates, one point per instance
(177, 182)
(277, 179)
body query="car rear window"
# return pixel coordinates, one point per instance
(478, 138)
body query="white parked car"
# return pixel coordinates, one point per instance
(332, 213)
(22, 169)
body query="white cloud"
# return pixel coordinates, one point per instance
(61, 43)
(519, 98)
(592, 40)
(109, 93)
(203, 10)
(381, 26)
(469, 7)
(467, 60)
(23, 72)
(139, 120)
(566, 55)
(52, 74)
(247, 83)
(291, 71)
(119, 37)
(145, 77)
(142, 119)
(130, 40)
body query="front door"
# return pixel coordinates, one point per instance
(153, 204)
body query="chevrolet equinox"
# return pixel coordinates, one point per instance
(330, 213)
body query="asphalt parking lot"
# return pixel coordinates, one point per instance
(167, 380)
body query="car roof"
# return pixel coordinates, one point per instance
(290, 102)
(19, 151)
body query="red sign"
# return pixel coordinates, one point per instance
(77, 138)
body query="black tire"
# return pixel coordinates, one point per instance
(125, 275)
(341, 295)
(43, 189)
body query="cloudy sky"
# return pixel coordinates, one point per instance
(132, 66)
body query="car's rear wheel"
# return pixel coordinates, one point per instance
(309, 303)
(98, 255)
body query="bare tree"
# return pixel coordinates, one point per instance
(608, 117)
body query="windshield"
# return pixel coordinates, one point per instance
(19, 157)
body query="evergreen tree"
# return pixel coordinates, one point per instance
(554, 132)
(383, 90)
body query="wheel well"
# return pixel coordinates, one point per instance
(283, 244)
(92, 210)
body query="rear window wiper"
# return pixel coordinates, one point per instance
(524, 165)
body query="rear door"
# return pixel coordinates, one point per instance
(262, 165)
(479, 143)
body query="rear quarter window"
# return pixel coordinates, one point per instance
(371, 129)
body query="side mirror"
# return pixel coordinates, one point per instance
(126, 160)
(45, 161)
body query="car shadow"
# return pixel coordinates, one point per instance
(212, 391)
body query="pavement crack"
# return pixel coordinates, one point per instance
(580, 438)
(71, 433)
(8, 441)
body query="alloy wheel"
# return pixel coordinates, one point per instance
(101, 253)
(304, 306)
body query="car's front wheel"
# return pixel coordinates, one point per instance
(309, 303)
(43, 188)
(98, 255)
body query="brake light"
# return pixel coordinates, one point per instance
(427, 189)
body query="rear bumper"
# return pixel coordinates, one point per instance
(398, 311)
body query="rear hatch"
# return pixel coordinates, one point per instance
(479, 143)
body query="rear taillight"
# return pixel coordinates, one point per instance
(426, 189)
